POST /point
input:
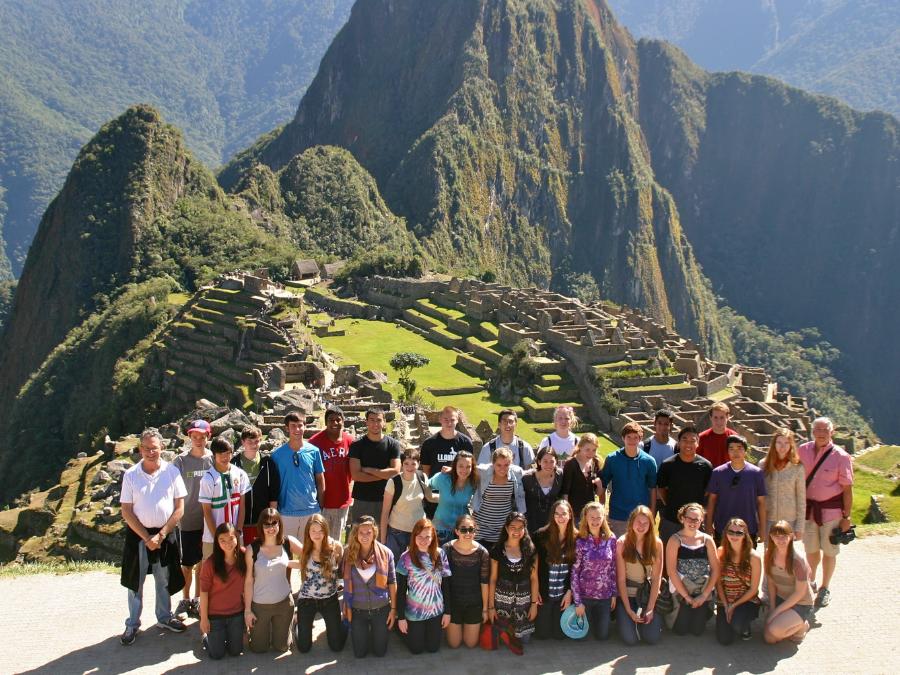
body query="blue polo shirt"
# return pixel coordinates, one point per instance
(632, 479)
(298, 483)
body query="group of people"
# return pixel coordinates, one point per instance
(447, 544)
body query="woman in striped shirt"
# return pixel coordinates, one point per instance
(738, 585)
(499, 493)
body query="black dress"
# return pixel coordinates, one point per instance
(538, 504)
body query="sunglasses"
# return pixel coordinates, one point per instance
(692, 520)
(735, 481)
(270, 526)
(369, 520)
(735, 533)
(297, 460)
(466, 530)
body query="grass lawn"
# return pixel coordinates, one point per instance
(178, 299)
(866, 484)
(884, 458)
(724, 393)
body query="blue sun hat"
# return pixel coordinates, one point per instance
(573, 625)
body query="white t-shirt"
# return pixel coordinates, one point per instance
(410, 508)
(527, 459)
(224, 506)
(659, 451)
(152, 497)
(565, 447)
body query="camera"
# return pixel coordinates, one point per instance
(839, 537)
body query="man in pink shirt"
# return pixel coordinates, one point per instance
(829, 500)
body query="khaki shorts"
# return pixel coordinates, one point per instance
(816, 538)
(207, 549)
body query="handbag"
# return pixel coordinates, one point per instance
(664, 601)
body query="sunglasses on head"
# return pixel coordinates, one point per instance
(466, 530)
(365, 520)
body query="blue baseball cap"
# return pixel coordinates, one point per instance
(573, 625)
(200, 425)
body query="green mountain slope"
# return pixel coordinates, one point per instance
(792, 203)
(503, 131)
(223, 71)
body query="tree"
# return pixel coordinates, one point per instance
(404, 363)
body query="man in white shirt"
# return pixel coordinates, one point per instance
(523, 454)
(152, 501)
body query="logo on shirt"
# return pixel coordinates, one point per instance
(446, 458)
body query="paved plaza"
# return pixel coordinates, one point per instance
(70, 625)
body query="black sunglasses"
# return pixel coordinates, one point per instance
(466, 530)
(735, 480)
(735, 533)
(297, 460)
(365, 520)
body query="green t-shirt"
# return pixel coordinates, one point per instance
(251, 467)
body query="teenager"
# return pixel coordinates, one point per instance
(555, 544)
(438, 450)
(302, 476)
(581, 480)
(790, 592)
(319, 571)
(334, 444)
(454, 490)
(785, 483)
(681, 479)
(660, 446)
(522, 453)
(693, 564)
(563, 440)
(264, 481)
(594, 587)
(514, 592)
(268, 603)
(632, 474)
(737, 489)
(374, 460)
(421, 607)
(222, 491)
(403, 503)
(738, 584)
(222, 578)
(466, 590)
(193, 465)
(499, 493)
(714, 441)
(542, 487)
(639, 559)
(370, 589)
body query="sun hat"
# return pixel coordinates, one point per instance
(573, 625)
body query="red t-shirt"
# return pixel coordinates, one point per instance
(225, 598)
(713, 446)
(337, 468)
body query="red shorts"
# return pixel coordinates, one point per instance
(250, 534)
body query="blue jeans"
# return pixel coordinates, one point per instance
(136, 600)
(633, 633)
(364, 621)
(597, 613)
(397, 541)
(226, 633)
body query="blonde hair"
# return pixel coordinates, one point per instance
(591, 439)
(722, 407)
(569, 409)
(501, 452)
(351, 551)
(772, 456)
(630, 552)
(584, 530)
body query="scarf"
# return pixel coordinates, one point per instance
(382, 564)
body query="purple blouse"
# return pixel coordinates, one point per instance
(594, 571)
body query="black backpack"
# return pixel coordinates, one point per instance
(398, 485)
(256, 545)
(492, 446)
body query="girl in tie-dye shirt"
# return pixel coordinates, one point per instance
(420, 597)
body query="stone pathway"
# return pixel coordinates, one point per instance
(70, 625)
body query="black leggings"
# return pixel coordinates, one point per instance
(423, 635)
(547, 623)
(330, 609)
(740, 621)
(691, 620)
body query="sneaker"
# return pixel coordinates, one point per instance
(128, 636)
(815, 587)
(823, 597)
(185, 607)
(172, 624)
(195, 608)
(746, 635)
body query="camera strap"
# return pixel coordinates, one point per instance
(812, 474)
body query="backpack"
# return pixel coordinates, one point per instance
(398, 485)
(493, 446)
(255, 546)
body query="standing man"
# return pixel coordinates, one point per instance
(438, 450)
(302, 477)
(681, 479)
(829, 500)
(193, 465)
(523, 455)
(222, 493)
(737, 489)
(632, 474)
(152, 503)
(713, 441)
(661, 446)
(334, 444)
(264, 482)
(374, 460)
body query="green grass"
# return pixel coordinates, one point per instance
(884, 458)
(725, 393)
(178, 299)
(652, 387)
(64, 567)
(866, 484)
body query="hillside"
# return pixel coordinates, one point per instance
(843, 48)
(224, 72)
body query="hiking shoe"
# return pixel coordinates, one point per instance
(823, 597)
(128, 636)
(185, 607)
(746, 635)
(172, 624)
(195, 608)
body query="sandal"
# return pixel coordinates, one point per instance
(797, 638)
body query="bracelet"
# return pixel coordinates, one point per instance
(489, 608)
(534, 602)
(394, 608)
